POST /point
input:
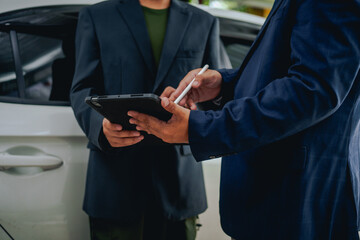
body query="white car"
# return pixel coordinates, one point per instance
(43, 154)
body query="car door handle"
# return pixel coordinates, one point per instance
(46, 162)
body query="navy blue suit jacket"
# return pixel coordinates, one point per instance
(289, 128)
(114, 56)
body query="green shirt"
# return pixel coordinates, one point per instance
(156, 20)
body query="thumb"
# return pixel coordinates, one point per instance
(170, 106)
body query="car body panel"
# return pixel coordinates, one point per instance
(41, 203)
(41, 120)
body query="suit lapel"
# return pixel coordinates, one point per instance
(178, 21)
(133, 16)
(275, 7)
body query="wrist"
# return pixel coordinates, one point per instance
(217, 100)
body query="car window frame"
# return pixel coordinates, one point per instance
(12, 30)
(8, 28)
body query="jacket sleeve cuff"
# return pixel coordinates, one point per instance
(200, 145)
(227, 87)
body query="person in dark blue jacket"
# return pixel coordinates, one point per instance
(287, 127)
(136, 191)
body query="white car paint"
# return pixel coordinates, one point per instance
(38, 120)
(41, 198)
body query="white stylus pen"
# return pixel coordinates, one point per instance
(188, 87)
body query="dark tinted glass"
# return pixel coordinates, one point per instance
(237, 53)
(8, 85)
(237, 37)
(238, 29)
(48, 66)
(46, 48)
(58, 15)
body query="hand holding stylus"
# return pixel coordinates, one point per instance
(204, 86)
(188, 87)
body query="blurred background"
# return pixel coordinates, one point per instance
(256, 7)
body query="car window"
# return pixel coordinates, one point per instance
(41, 41)
(238, 29)
(8, 84)
(48, 66)
(237, 53)
(237, 37)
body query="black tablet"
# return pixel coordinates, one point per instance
(115, 108)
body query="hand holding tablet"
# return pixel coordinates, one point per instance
(115, 108)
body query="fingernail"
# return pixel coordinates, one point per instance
(166, 102)
(195, 83)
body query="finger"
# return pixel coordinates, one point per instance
(178, 90)
(191, 104)
(194, 96)
(199, 79)
(189, 99)
(184, 100)
(167, 92)
(183, 84)
(111, 126)
(196, 83)
(124, 134)
(210, 78)
(172, 97)
(145, 130)
(188, 102)
(171, 106)
(204, 78)
(123, 142)
(146, 122)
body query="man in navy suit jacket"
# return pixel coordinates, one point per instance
(131, 189)
(287, 128)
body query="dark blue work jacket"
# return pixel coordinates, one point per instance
(289, 128)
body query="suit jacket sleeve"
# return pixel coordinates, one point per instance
(324, 62)
(87, 80)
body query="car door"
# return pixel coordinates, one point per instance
(43, 155)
